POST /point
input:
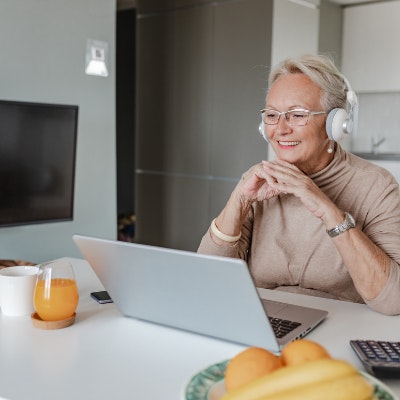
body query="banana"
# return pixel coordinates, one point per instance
(292, 377)
(351, 387)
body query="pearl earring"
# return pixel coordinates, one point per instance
(331, 147)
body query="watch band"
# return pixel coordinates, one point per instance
(347, 224)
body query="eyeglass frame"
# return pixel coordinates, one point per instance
(290, 111)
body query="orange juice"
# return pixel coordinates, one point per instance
(56, 301)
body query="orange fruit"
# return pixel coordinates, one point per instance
(249, 365)
(301, 351)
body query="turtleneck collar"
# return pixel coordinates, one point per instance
(332, 168)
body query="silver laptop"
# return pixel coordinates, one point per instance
(208, 295)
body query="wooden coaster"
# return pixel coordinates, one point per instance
(39, 323)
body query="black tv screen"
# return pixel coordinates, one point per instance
(37, 162)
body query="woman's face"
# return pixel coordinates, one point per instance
(304, 146)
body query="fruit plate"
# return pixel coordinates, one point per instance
(208, 384)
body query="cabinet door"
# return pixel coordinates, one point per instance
(371, 48)
(295, 29)
(295, 32)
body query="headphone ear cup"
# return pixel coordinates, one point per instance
(338, 124)
(353, 111)
(261, 129)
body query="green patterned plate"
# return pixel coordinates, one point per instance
(208, 384)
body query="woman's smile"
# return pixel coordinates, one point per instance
(287, 143)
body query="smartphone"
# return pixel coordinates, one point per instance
(101, 297)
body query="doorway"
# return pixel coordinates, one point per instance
(125, 121)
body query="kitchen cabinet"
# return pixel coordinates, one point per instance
(370, 48)
(201, 73)
(295, 29)
(294, 32)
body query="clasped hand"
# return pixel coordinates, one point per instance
(271, 178)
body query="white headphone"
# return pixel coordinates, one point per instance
(339, 122)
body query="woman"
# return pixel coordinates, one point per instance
(317, 220)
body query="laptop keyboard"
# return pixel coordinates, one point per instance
(282, 327)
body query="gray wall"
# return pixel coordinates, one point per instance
(42, 48)
(201, 80)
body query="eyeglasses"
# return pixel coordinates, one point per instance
(296, 117)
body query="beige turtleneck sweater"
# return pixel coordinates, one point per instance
(287, 247)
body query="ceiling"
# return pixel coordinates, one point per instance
(348, 2)
(121, 4)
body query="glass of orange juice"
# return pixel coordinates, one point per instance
(56, 293)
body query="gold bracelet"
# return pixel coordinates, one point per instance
(222, 236)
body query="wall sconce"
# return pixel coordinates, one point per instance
(96, 58)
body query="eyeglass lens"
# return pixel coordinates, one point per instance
(293, 117)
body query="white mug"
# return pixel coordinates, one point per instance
(17, 287)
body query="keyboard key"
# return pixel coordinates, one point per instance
(282, 327)
(381, 358)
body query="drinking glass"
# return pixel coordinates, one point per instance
(56, 293)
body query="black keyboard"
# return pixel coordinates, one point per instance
(380, 358)
(282, 327)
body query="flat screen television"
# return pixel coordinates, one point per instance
(37, 162)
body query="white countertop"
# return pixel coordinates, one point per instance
(105, 355)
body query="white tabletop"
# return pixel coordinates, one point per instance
(105, 355)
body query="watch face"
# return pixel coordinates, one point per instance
(350, 220)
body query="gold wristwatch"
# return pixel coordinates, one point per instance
(347, 224)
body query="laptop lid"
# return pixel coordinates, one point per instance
(205, 294)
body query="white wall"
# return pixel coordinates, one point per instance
(42, 48)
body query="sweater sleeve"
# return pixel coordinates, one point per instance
(236, 250)
(208, 246)
(388, 300)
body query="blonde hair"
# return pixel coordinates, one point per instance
(322, 71)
